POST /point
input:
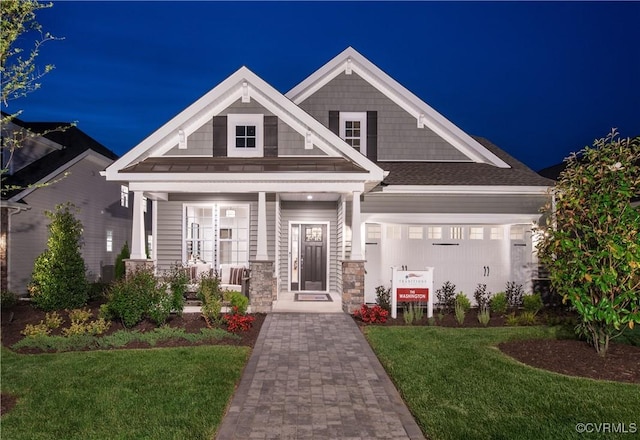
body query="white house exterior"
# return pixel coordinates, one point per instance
(325, 188)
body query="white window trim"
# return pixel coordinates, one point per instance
(434, 233)
(236, 119)
(476, 233)
(124, 196)
(355, 116)
(109, 240)
(415, 233)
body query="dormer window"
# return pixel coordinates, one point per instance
(245, 135)
(353, 129)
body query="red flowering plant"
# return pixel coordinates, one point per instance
(237, 321)
(372, 315)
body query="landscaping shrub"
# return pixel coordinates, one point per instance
(178, 281)
(371, 315)
(514, 294)
(460, 312)
(483, 315)
(237, 300)
(498, 303)
(481, 295)
(58, 278)
(80, 324)
(532, 303)
(511, 320)
(527, 318)
(463, 301)
(8, 299)
(211, 296)
(130, 299)
(120, 269)
(98, 290)
(591, 243)
(383, 297)
(160, 305)
(446, 296)
(237, 321)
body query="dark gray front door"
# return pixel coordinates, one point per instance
(313, 257)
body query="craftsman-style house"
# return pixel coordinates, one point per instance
(325, 188)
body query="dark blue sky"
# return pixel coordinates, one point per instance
(539, 79)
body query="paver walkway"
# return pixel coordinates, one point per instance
(314, 376)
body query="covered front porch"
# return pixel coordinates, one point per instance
(296, 244)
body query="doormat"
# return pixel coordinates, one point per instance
(312, 297)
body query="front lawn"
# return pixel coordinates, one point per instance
(459, 385)
(169, 393)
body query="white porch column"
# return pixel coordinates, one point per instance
(261, 252)
(137, 228)
(356, 228)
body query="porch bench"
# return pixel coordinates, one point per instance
(234, 278)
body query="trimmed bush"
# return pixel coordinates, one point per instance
(383, 297)
(532, 303)
(58, 279)
(130, 299)
(498, 303)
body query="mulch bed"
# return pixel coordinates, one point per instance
(16, 318)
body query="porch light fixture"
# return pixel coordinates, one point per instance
(309, 197)
(230, 213)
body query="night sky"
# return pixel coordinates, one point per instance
(539, 79)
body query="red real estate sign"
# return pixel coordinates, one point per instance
(412, 295)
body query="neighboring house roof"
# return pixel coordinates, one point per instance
(73, 142)
(464, 173)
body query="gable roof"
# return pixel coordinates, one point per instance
(351, 60)
(73, 143)
(245, 85)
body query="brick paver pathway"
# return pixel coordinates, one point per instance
(314, 376)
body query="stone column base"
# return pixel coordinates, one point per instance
(262, 286)
(131, 266)
(352, 285)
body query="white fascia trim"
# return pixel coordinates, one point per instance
(399, 94)
(14, 207)
(248, 187)
(221, 97)
(465, 189)
(243, 177)
(451, 219)
(88, 154)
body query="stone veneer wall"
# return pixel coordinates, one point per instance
(352, 285)
(262, 286)
(133, 265)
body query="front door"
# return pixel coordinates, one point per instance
(313, 257)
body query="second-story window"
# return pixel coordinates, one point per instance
(353, 129)
(245, 135)
(124, 196)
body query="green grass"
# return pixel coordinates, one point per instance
(459, 386)
(169, 393)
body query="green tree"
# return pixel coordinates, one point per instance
(19, 72)
(58, 279)
(591, 243)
